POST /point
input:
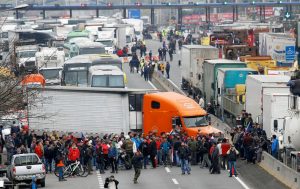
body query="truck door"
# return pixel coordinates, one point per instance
(135, 111)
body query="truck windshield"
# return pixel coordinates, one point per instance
(116, 81)
(76, 78)
(195, 121)
(50, 74)
(26, 54)
(26, 160)
(92, 51)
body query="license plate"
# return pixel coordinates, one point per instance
(1, 183)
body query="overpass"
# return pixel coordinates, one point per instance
(152, 7)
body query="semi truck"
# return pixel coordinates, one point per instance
(102, 110)
(257, 86)
(192, 57)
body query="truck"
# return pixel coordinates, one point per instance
(96, 111)
(25, 56)
(24, 166)
(257, 86)
(280, 46)
(192, 57)
(50, 61)
(210, 70)
(138, 25)
(229, 96)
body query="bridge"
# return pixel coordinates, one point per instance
(152, 7)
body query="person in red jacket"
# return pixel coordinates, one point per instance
(39, 150)
(74, 153)
(225, 146)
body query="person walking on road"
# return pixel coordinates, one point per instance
(232, 154)
(168, 66)
(137, 162)
(184, 153)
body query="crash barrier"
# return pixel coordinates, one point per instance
(166, 83)
(280, 171)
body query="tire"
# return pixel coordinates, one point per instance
(80, 170)
(43, 183)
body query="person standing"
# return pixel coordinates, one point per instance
(160, 54)
(153, 151)
(205, 148)
(274, 147)
(215, 167)
(164, 53)
(165, 148)
(59, 159)
(171, 54)
(168, 66)
(131, 65)
(150, 55)
(232, 154)
(184, 153)
(112, 155)
(137, 162)
(146, 72)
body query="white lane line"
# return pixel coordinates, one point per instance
(167, 169)
(152, 85)
(175, 181)
(241, 182)
(101, 185)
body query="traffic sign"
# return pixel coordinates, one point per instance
(287, 15)
(290, 53)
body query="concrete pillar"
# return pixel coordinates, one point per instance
(152, 16)
(17, 14)
(71, 15)
(97, 13)
(236, 13)
(44, 14)
(260, 13)
(180, 16)
(124, 13)
(233, 13)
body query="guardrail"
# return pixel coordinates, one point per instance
(280, 171)
(166, 83)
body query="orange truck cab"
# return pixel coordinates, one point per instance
(164, 111)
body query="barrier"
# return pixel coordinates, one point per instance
(280, 171)
(166, 83)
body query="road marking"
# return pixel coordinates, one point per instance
(175, 181)
(101, 185)
(168, 170)
(152, 85)
(241, 182)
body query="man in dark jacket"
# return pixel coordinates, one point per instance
(232, 154)
(168, 66)
(137, 162)
(184, 153)
(153, 151)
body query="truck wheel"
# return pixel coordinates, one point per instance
(43, 183)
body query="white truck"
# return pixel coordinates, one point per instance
(50, 61)
(280, 46)
(257, 86)
(25, 56)
(24, 166)
(192, 57)
(138, 25)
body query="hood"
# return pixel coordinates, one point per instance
(53, 81)
(204, 130)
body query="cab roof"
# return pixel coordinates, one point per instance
(184, 105)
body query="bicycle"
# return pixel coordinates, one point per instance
(72, 169)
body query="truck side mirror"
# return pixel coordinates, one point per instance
(173, 122)
(275, 125)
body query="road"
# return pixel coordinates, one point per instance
(165, 178)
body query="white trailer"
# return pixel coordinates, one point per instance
(257, 86)
(87, 110)
(192, 57)
(275, 111)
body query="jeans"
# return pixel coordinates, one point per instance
(232, 164)
(146, 160)
(48, 165)
(185, 166)
(159, 157)
(114, 165)
(60, 173)
(206, 160)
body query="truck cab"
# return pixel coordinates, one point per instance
(166, 110)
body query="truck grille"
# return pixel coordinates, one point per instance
(29, 64)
